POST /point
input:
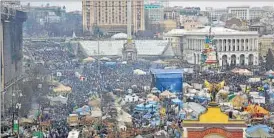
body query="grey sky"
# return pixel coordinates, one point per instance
(73, 5)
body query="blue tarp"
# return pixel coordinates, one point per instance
(254, 128)
(168, 79)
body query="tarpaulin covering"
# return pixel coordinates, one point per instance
(168, 79)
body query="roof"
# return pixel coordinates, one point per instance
(114, 48)
(205, 30)
(164, 71)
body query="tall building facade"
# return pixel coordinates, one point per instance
(11, 38)
(235, 48)
(256, 13)
(215, 14)
(154, 13)
(240, 12)
(110, 16)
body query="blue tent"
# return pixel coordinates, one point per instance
(177, 101)
(140, 107)
(251, 129)
(83, 110)
(110, 64)
(168, 79)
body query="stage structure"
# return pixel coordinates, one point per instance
(168, 79)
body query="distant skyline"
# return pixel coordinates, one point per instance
(72, 5)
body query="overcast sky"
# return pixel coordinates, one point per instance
(73, 5)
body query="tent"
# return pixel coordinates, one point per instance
(26, 121)
(231, 96)
(238, 101)
(38, 134)
(259, 133)
(139, 136)
(59, 98)
(105, 59)
(110, 64)
(168, 79)
(139, 72)
(251, 129)
(242, 71)
(155, 90)
(84, 110)
(270, 72)
(73, 134)
(159, 62)
(88, 59)
(152, 97)
(167, 94)
(256, 109)
(140, 107)
(195, 108)
(177, 101)
(96, 112)
(62, 89)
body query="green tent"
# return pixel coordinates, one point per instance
(38, 134)
(231, 96)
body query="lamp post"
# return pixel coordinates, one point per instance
(18, 107)
(15, 123)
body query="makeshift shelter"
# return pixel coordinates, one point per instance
(74, 134)
(96, 112)
(260, 131)
(139, 136)
(139, 72)
(168, 79)
(88, 59)
(62, 89)
(105, 59)
(242, 71)
(238, 101)
(177, 102)
(152, 97)
(38, 134)
(256, 109)
(159, 62)
(94, 102)
(270, 72)
(26, 121)
(155, 90)
(131, 98)
(253, 80)
(85, 110)
(58, 99)
(167, 94)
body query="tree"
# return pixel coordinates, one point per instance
(269, 60)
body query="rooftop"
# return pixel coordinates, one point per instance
(205, 30)
(114, 47)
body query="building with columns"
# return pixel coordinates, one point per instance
(233, 47)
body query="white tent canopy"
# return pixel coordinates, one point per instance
(105, 59)
(88, 59)
(139, 72)
(59, 98)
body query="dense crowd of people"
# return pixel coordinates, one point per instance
(103, 76)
